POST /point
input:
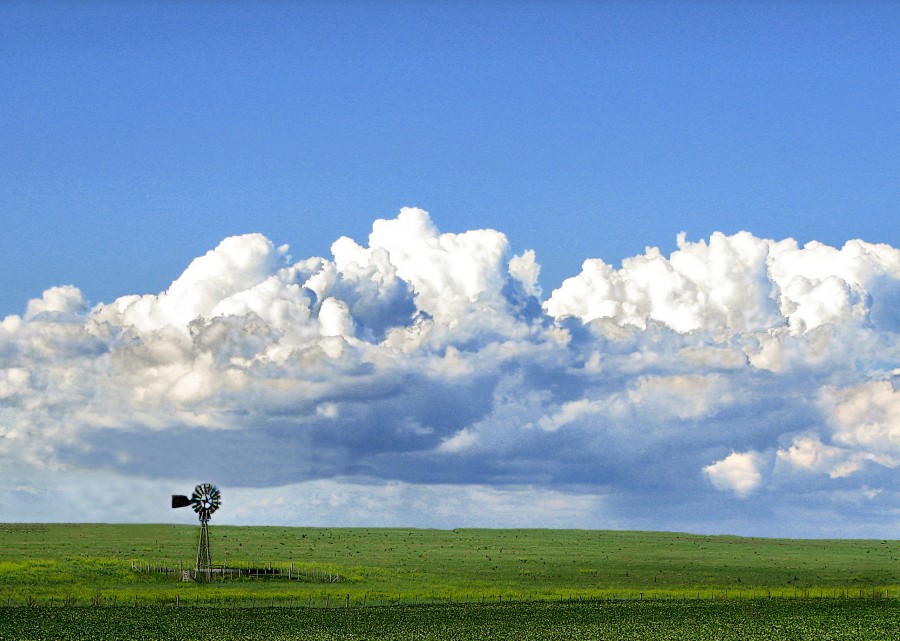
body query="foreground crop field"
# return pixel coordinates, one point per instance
(749, 620)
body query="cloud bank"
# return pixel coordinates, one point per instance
(740, 384)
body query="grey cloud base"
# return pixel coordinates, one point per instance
(740, 384)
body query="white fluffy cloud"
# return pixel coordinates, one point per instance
(731, 284)
(810, 454)
(738, 472)
(868, 416)
(426, 361)
(64, 299)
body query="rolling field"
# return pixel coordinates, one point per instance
(436, 584)
(378, 565)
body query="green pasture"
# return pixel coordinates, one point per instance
(79, 563)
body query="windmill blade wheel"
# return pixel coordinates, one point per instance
(205, 500)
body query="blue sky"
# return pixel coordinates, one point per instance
(137, 137)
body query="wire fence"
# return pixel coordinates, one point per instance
(123, 598)
(306, 573)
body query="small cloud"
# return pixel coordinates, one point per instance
(737, 472)
(526, 270)
(571, 412)
(809, 453)
(65, 299)
(684, 397)
(867, 416)
(13, 381)
(870, 493)
(28, 489)
(463, 440)
(327, 410)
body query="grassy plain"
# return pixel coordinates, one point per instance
(82, 563)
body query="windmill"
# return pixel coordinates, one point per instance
(205, 500)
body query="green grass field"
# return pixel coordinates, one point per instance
(435, 584)
(386, 565)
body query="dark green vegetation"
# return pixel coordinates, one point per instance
(374, 566)
(747, 620)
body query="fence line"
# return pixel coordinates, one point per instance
(306, 573)
(343, 599)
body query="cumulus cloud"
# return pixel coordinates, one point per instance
(423, 366)
(681, 396)
(810, 454)
(867, 416)
(731, 284)
(65, 299)
(738, 472)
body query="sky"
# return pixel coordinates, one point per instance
(432, 264)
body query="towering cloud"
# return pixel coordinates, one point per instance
(733, 284)
(658, 394)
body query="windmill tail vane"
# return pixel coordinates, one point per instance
(179, 500)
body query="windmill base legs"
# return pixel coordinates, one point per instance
(204, 561)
